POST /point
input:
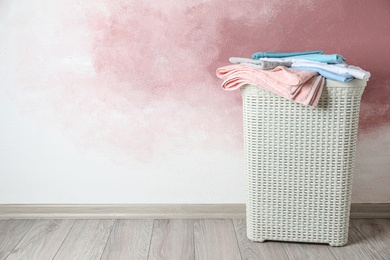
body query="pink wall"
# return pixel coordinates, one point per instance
(359, 30)
(138, 77)
(143, 53)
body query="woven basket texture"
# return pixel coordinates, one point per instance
(299, 164)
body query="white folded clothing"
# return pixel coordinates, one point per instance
(341, 69)
(260, 64)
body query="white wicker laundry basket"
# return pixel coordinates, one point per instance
(299, 164)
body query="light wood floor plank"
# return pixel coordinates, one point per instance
(357, 248)
(86, 240)
(129, 239)
(175, 239)
(215, 240)
(172, 239)
(253, 250)
(42, 241)
(376, 232)
(11, 232)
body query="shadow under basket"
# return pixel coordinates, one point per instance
(299, 164)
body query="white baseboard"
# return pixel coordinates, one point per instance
(127, 211)
(370, 210)
(157, 211)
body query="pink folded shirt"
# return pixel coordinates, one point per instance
(302, 86)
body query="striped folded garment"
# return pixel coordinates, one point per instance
(302, 86)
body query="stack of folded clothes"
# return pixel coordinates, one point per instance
(297, 76)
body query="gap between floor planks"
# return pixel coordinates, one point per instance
(175, 239)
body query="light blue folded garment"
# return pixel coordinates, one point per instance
(326, 74)
(259, 55)
(324, 58)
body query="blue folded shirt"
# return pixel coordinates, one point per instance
(306, 55)
(324, 58)
(259, 55)
(326, 74)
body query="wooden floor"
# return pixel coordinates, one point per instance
(175, 239)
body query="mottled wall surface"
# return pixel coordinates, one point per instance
(134, 82)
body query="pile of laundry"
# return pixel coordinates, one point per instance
(297, 76)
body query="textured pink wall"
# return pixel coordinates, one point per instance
(140, 75)
(171, 51)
